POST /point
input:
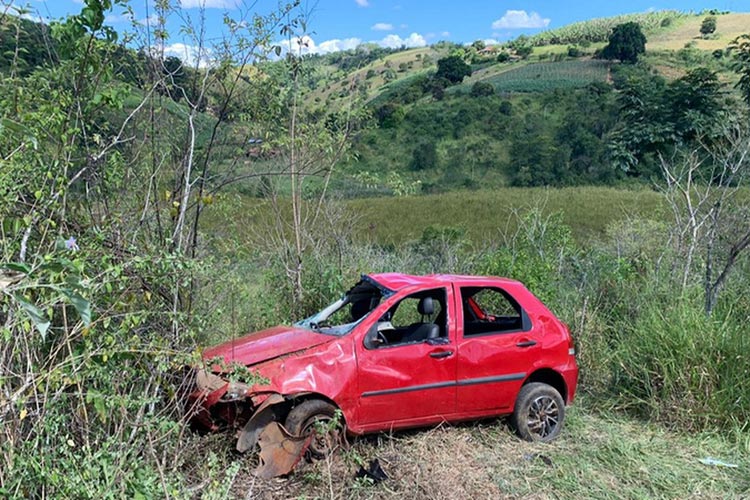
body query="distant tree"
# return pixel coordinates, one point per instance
(524, 51)
(479, 44)
(740, 47)
(389, 115)
(453, 69)
(574, 51)
(424, 156)
(503, 57)
(482, 89)
(506, 108)
(708, 25)
(695, 103)
(626, 43)
(437, 86)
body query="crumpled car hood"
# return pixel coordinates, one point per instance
(266, 345)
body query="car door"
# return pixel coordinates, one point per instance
(497, 346)
(403, 379)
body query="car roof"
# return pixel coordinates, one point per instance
(398, 281)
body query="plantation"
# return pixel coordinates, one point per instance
(597, 30)
(545, 76)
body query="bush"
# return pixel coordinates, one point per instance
(482, 89)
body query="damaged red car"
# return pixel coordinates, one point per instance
(396, 351)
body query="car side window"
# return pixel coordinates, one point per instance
(414, 319)
(491, 310)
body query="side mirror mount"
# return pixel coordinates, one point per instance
(372, 341)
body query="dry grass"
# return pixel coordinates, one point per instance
(687, 29)
(596, 457)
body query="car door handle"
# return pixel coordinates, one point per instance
(526, 343)
(441, 354)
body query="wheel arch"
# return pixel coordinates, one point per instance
(550, 377)
(295, 399)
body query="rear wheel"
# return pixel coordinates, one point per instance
(539, 412)
(318, 417)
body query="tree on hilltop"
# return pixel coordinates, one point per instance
(708, 25)
(626, 43)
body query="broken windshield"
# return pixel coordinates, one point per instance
(340, 317)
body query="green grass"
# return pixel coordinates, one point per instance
(483, 215)
(545, 76)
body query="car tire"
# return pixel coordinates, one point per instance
(303, 420)
(539, 412)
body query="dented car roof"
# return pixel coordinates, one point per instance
(399, 281)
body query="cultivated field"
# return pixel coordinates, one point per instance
(546, 76)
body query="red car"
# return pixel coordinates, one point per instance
(396, 351)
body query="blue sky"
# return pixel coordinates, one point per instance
(343, 24)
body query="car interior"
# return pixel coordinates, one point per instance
(416, 318)
(491, 310)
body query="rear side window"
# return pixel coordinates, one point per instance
(491, 310)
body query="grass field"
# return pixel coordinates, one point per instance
(483, 215)
(545, 76)
(687, 29)
(602, 457)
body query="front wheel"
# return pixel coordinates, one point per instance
(539, 412)
(318, 417)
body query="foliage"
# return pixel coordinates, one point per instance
(453, 69)
(626, 43)
(655, 116)
(482, 89)
(740, 49)
(424, 156)
(708, 26)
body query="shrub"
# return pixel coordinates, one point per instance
(482, 89)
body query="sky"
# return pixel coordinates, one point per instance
(343, 24)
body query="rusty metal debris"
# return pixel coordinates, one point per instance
(279, 451)
(260, 419)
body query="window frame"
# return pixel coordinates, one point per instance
(526, 324)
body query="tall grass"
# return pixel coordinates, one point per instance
(676, 365)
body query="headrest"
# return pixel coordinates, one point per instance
(426, 306)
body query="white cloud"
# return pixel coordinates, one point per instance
(445, 34)
(151, 20)
(209, 4)
(395, 41)
(382, 27)
(490, 41)
(337, 45)
(306, 45)
(516, 19)
(190, 54)
(363, 3)
(116, 18)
